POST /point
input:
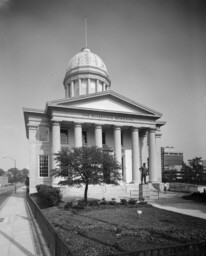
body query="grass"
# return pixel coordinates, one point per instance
(108, 229)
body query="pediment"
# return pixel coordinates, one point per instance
(108, 102)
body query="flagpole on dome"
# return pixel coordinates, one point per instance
(85, 26)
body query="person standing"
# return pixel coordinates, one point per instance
(165, 188)
(144, 172)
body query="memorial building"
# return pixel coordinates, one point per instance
(92, 114)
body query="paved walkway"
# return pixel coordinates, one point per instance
(17, 238)
(173, 201)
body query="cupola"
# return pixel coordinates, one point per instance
(86, 74)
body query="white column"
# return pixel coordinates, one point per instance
(56, 141)
(143, 147)
(72, 89)
(80, 86)
(68, 90)
(88, 86)
(104, 87)
(117, 144)
(98, 136)
(158, 154)
(33, 159)
(97, 85)
(152, 156)
(77, 135)
(135, 156)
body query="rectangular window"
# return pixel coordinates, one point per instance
(84, 137)
(43, 133)
(84, 86)
(103, 138)
(92, 86)
(76, 88)
(100, 86)
(64, 136)
(43, 166)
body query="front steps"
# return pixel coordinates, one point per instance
(109, 191)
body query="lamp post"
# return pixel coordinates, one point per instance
(14, 170)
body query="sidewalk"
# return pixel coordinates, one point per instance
(17, 237)
(173, 201)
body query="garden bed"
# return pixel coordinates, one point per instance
(108, 229)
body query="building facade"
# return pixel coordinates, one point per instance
(92, 114)
(172, 162)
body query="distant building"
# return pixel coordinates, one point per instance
(204, 164)
(171, 164)
(3, 180)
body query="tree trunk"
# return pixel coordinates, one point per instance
(85, 192)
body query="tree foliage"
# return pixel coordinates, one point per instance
(86, 165)
(194, 171)
(2, 172)
(15, 175)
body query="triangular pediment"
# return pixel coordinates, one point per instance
(106, 102)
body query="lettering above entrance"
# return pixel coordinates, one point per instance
(110, 117)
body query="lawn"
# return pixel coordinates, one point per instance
(109, 229)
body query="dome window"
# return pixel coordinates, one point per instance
(76, 88)
(84, 85)
(92, 86)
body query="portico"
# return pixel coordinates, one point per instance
(93, 115)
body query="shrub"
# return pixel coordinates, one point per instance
(51, 196)
(132, 201)
(123, 201)
(94, 202)
(103, 201)
(112, 202)
(80, 205)
(68, 205)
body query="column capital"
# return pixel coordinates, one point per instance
(55, 123)
(77, 124)
(32, 127)
(158, 135)
(98, 126)
(151, 130)
(117, 127)
(143, 133)
(135, 129)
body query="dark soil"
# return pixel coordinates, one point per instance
(108, 229)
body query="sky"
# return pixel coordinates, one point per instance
(154, 51)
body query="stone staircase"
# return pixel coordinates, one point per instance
(109, 191)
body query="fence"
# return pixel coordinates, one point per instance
(55, 244)
(58, 248)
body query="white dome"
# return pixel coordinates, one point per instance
(86, 58)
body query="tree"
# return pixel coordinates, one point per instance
(86, 165)
(12, 174)
(169, 175)
(186, 173)
(194, 172)
(24, 175)
(2, 172)
(15, 175)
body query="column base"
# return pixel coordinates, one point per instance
(144, 191)
(156, 185)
